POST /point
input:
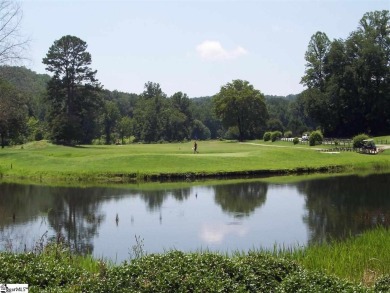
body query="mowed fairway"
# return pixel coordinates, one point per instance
(44, 160)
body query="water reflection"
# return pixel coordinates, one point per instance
(240, 200)
(230, 216)
(342, 206)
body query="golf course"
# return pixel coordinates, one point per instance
(42, 160)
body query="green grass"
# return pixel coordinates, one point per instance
(360, 264)
(362, 259)
(42, 160)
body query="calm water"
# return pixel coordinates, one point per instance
(223, 217)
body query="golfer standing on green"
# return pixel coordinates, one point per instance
(195, 147)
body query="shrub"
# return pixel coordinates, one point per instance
(358, 140)
(267, 136)
(304, 281)
(315, 137)
(56, 269)
(383, 284)
(276, 135)
(288, 134)
(295, 140)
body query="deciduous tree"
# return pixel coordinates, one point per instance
(315, 57)
(13, 112)
(148, 123)
(240, 105)
(125, 128)
(349, 81)
(12, 43)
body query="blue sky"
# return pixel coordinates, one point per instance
(192, 46)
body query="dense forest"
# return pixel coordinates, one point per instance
(150, 116)
(347, 93)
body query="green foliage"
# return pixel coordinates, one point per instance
(180, 118)
(364, 258)
(159, 118)
(125, 128)
(382, 285)
(239, 104)
(200, 131)
(267, 136)
(288, 134)
(316, 57)
(13, 113)
(275, 125)
(177, 114)
(232, 133)
(202, 109)
(295, 140)
(315, 138)
(278, 109)
(299, 118)
(31, 84)
(348, 85)
(72, 98)
(35, 129)
(110, 117)
(54, 267)
(357, 140)
(56, 270)
(276, 135)
(303, 281)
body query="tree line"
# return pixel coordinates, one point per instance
(40, 111)
(348, 81)
(347, 93)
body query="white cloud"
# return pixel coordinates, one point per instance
(216, 233)
(213, 50)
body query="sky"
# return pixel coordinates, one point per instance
(194, 47)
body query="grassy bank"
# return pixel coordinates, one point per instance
(360, 259)
(44, 161)
(55, 269)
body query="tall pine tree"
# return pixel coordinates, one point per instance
(72, 91)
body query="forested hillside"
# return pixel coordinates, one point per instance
(150, 116)
(31, 84)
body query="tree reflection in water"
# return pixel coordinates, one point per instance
(76, 216)
(240, 200)
(73, 213)
(347, 205)
(334, 207)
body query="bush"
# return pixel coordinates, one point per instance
(358, 140)
(304, 281)
(295, 140)
(56, 269)
(383, 284)
(267, 136)
(276, 135)
(315, 137)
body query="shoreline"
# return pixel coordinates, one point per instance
(122, 178)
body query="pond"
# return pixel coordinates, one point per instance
(224, 216)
